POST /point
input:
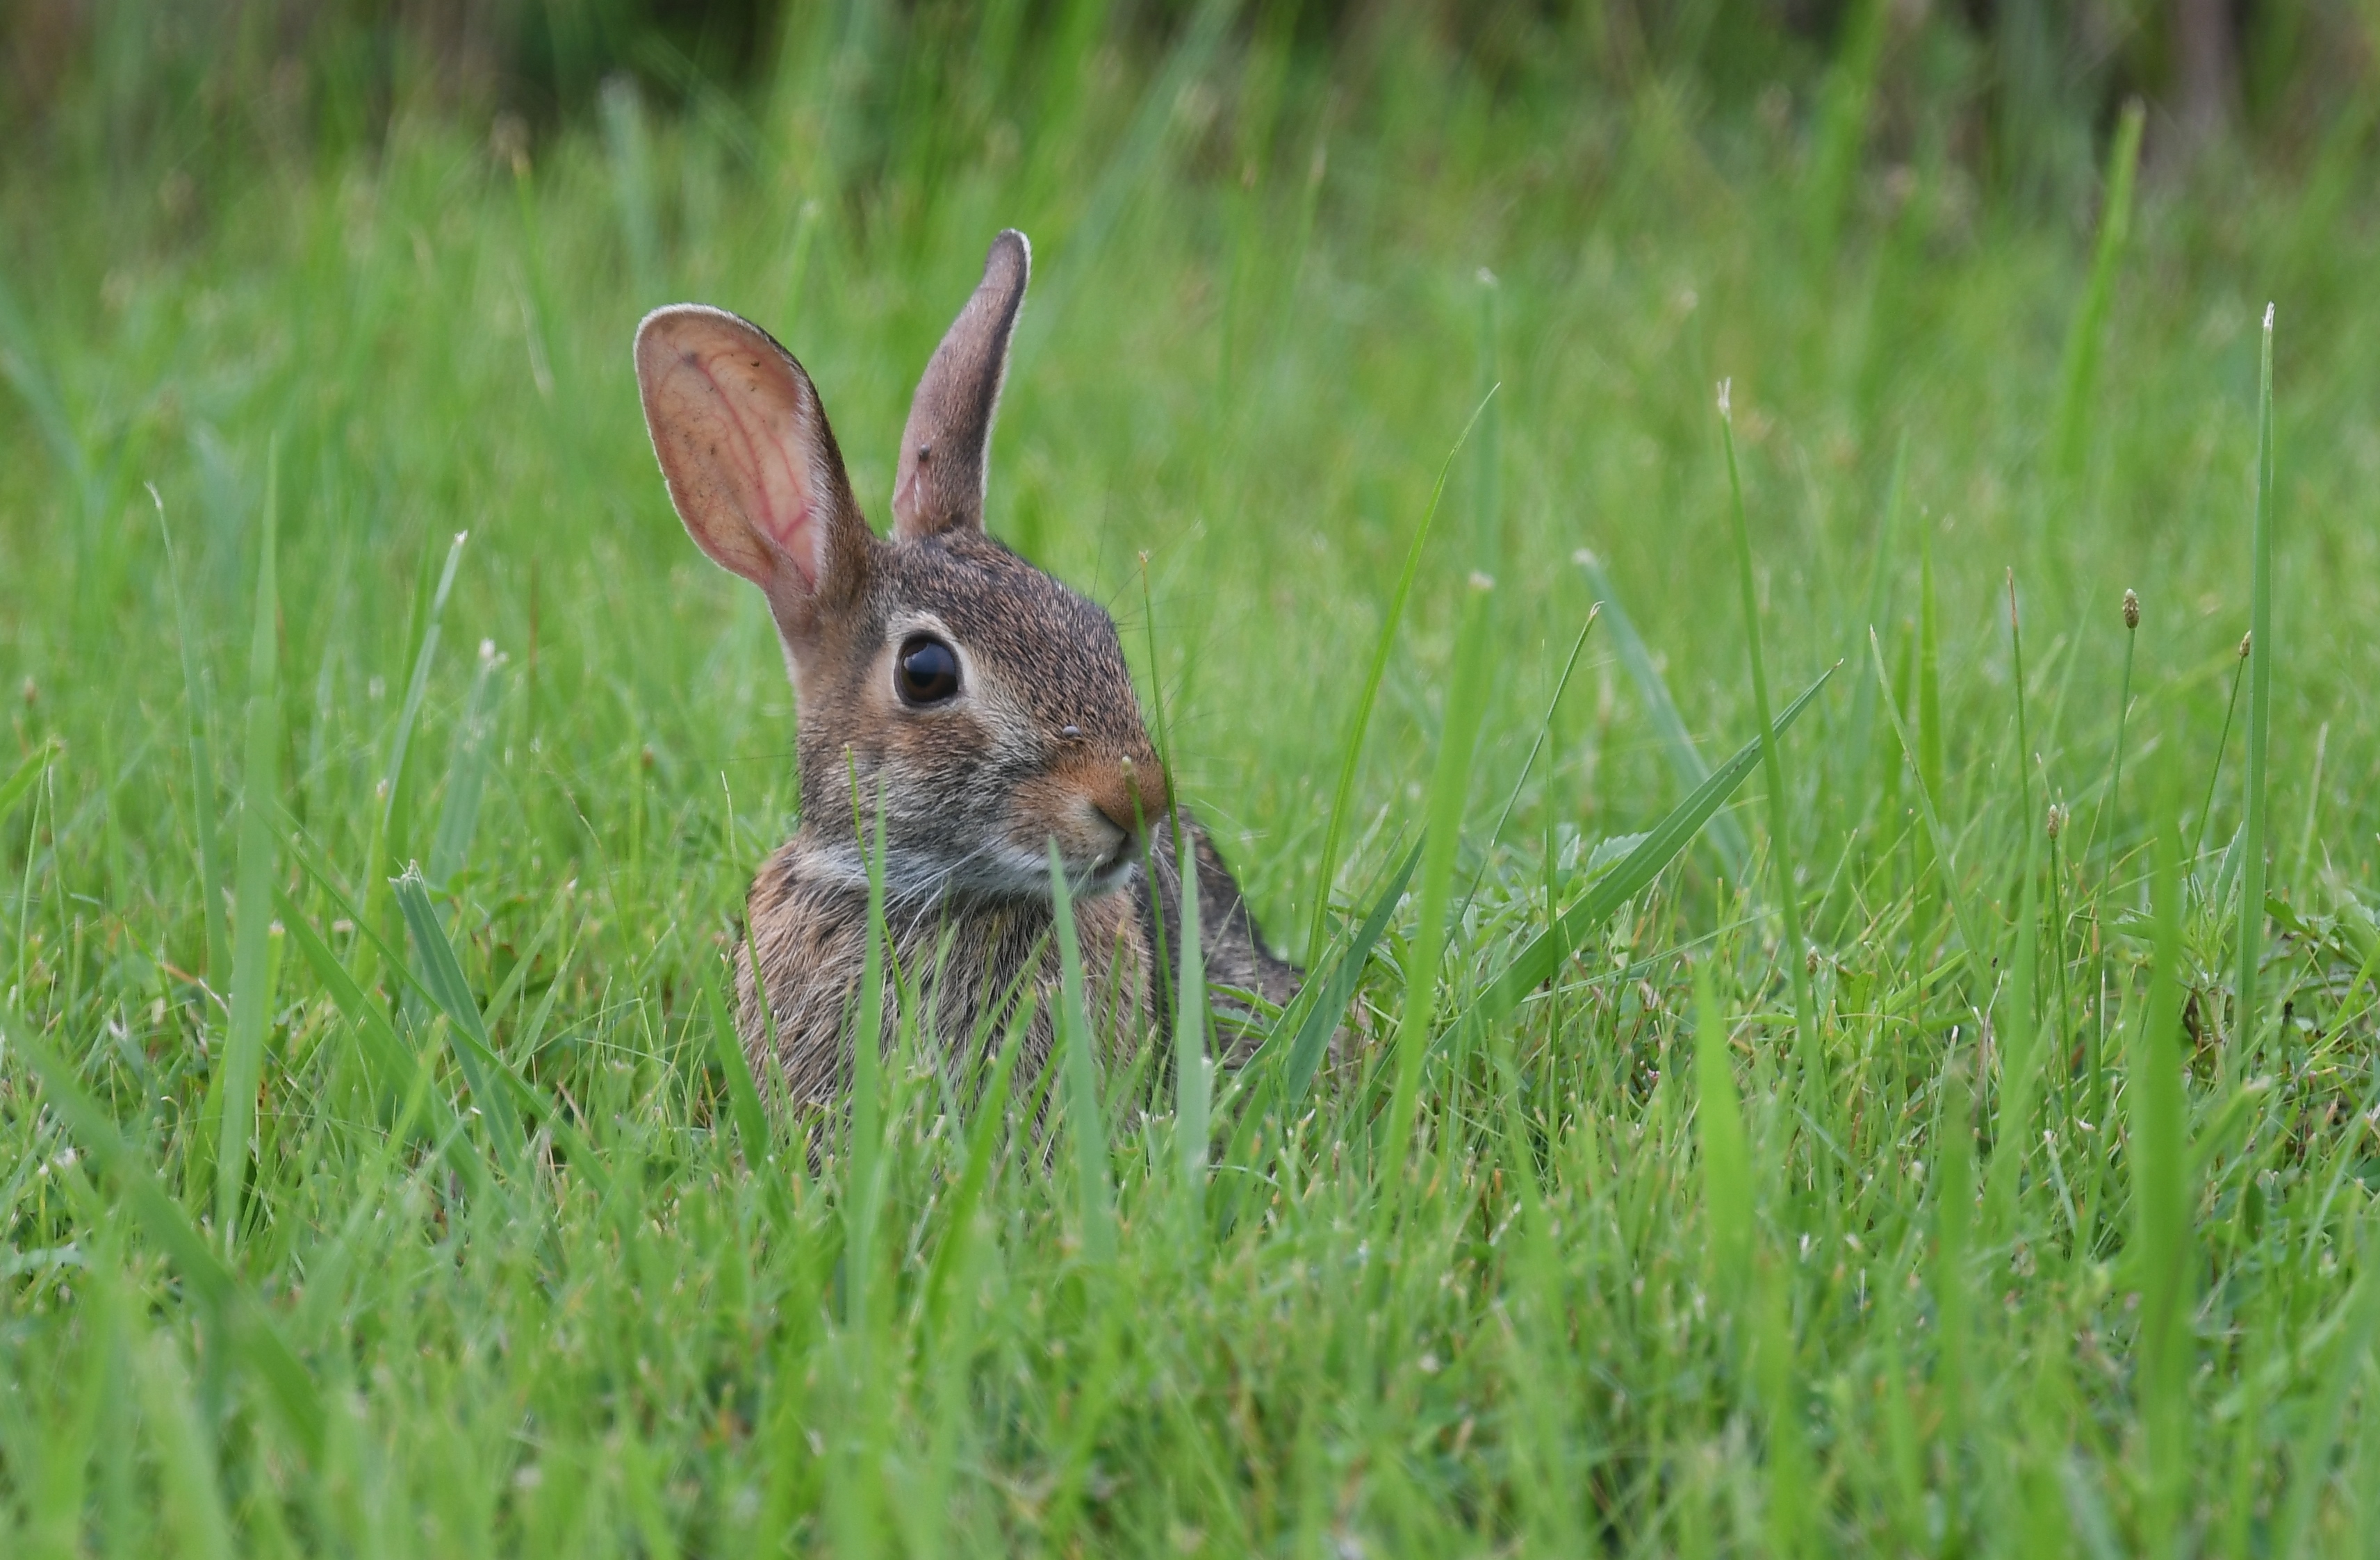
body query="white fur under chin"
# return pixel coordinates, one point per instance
(996, 872)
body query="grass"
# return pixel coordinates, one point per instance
(2063, 1241)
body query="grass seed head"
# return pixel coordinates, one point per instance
(2132, 609)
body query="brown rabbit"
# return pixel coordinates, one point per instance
(987, 705)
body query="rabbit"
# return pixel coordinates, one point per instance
(982, 705)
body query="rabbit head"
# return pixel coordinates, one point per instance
(986, 709)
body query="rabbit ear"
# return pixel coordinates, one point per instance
(939, 487)
(750, 462)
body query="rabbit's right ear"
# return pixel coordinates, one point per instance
(750, 462)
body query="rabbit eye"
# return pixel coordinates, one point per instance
(927, 671)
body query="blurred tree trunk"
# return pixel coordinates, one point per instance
(2206, 80)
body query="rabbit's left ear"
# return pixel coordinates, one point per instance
(944, 451)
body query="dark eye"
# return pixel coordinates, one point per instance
(927, 671)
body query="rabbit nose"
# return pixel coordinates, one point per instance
(1129, 796)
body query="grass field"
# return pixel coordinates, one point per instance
(1963, 1197)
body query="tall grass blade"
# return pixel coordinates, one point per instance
(1772, 761)
(1954, 1220)
(1270, 1089)
(1945, 861)
(2078, 373)
(1352, 748)
(233, 1101)
(392, 829)
(442, 978)
(28, 775)
(1790, 1482)
(1449, 788)
(627, 146)
(397, 1074)
(1173, 800)
(1193, 1078)
(466, 771)
(27, 939)
(28, 783)
(417, 687)
(450, 995)
(2215, 772)
(2303, 854)
(2260, 719)
(1931, 893)
(1089, 1117)
(1844, 106)
(743, 1095)
(200, 719)
(1338, 988)
(990, 1117)
(1529, 761)
(2161, 1203)
(21, 366)
(1726, 1153)
(365, 935)
(1879, 584)
(1488, 467)
(525, 963)
(389, 1060)
(117, 1511)
(1677, 745)
(1537, 962)
(748, 950)
(2022, 1033)
(2110, 805)
(867, 1091)
(193, 1505)
(2027, 819)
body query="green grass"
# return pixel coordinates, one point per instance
(444, 1222)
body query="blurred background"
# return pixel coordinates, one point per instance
(2020, 87)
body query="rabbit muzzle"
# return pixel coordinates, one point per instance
(1100, 808)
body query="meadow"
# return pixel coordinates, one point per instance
(1956, 1135)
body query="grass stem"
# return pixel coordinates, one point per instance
(1450, 787)
(2260, 719)
(233, 1105)
(2222, 745)
(2161, 1203)
(2111, 803)
(1350, 747)
(1818, 1095)
(1086, 1118)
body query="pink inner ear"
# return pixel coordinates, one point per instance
(764, 413)
(740, 435)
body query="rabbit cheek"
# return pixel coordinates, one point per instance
(934, 766)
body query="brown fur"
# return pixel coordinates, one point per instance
(1044, 742)
(966, 956)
